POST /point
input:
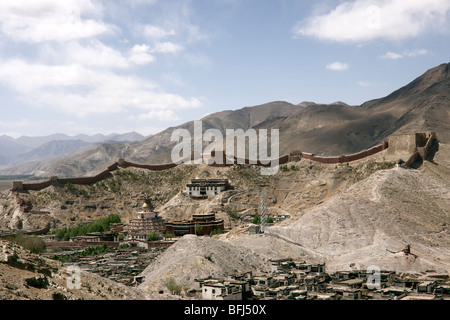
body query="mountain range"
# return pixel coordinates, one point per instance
(30, 149)
(324, 129)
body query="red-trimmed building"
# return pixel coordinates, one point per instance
(204, 222)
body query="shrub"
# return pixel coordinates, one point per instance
(69, 186)
(46, 271)
(173, 287)
(256, 220)
(169, 235)
(233, 214)
(40, 283)
(58, 296)
(32, 243)
(152, 236)
(215, 231)
(198, 230)
(13, 261)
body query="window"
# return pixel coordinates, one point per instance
(213, 291)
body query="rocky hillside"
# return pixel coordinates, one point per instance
(297, 186)
(379, 215)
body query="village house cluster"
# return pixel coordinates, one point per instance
(302, 281)
(122, 265)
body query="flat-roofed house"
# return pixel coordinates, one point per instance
(199, 188)
(426, 287)
(220, 290)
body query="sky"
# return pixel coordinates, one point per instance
(102, 66)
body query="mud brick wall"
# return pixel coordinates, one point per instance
(37, 186)
(345, 158)
(122, 163)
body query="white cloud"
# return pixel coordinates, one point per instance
(411, 54)
(140, 54)
(157, 33)
(337, 66)
(94, 54)
(167, 47)
(80, 91)
(160, 115)
(366, 20)
(391, 56)
(369, 84)
(51, 20)
(73, 72)
(417, 53)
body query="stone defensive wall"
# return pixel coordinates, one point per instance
(36, 186)
(423, 145)
(417, 145)
(346, 158)
(19, 185)
(282, 160)
(152, 167)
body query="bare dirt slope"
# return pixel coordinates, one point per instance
(195, 257)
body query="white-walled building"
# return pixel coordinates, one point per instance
(206, 187)
(221, 290)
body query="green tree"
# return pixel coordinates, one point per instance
(173, 287)
(40, 283)
(100, 225)
(256, 219)
(169, 235)
(69, 186)
(58, 296)
(32, 243)
(215, 231)
(152, 236)
(198, 230)
(233, 214)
